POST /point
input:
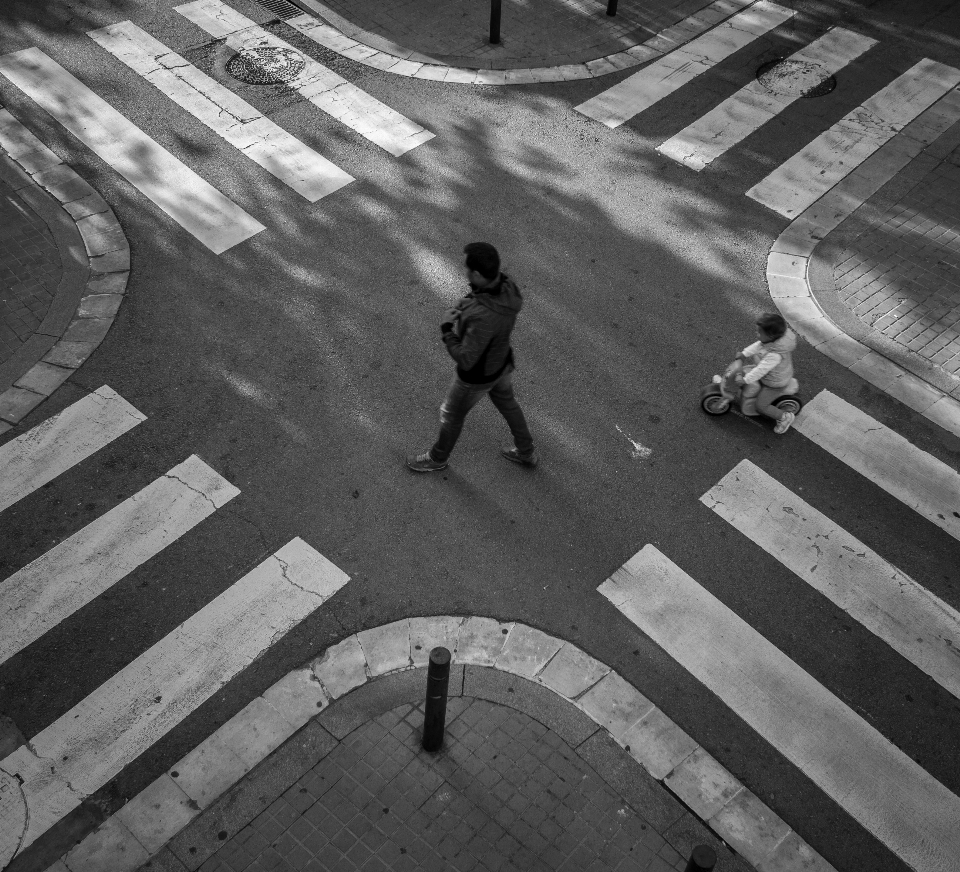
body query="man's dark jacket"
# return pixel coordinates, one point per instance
(480, 339)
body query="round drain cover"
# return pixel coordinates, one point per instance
(795, 78)
(266, 65)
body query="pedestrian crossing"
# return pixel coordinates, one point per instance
(888, 793)
(177, 190)
(830, 156)
(91, 743)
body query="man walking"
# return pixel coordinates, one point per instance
(477, 335)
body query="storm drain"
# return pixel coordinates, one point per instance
(790, 78)
(281, 8)
(266, 65)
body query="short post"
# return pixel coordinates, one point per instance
(435, 710)
(703, 859)
(611, 7)
(495, 21)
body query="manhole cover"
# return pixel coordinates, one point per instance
(795, 78)
(266, 65)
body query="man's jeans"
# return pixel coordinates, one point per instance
(462, 397)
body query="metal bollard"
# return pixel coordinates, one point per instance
(495, 21)
(703, 859)
(611, 7)
(435, 709)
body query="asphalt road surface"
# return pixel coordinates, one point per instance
(304, 363)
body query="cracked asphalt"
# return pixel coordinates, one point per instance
(305, 363)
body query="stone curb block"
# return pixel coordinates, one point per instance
(145, 824)
(394, 59)
(104, 267)
(788, 276)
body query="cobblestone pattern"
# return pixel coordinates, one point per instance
(457, 31)
(29, 271)
(902, 278)
(505, 794)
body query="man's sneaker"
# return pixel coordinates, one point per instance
(515, 456)
(424, 463)
(784, 423)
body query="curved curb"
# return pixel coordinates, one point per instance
(13, 807)
(369, 49)
(147, 822)
(95, 257)
(794, 252)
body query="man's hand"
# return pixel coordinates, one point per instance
(449, 319)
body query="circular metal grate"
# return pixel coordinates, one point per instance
(795, 78)
(266, 65)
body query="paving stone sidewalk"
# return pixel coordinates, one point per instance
(505, 794)
(30, 271)
(901, 275)
(534, 33)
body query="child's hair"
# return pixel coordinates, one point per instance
(773, 325)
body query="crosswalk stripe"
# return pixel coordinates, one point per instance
(80, 568)
(642, 90)
(293, 163)
(327, 91)
(876, 783)
(193, 203)
(121, 719)
(37, 457)
(752, 106)
(906, 616)
(816, 168)
(918, 480)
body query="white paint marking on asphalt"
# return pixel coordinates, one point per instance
(37, 457)
(320, 85)
(642, 90)
(639, 452)
(193, 203)
(909, 618)
(918, 480)
(121, 719)
(816, 168)
(278, 152)
(752, 106)
(80, 568)
(863, 772)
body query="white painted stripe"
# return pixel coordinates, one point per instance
(79, 569)
(92, 742)
(278, 152)
(37, 457)
(815, 169)
(754, 105)
(904, 471)
(877, 784)
(320, 85)
(194, 204)
(642, 90)
(909, 618)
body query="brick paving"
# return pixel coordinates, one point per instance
(29, 271)
(902, 276)
(505, 794)
(533, 32)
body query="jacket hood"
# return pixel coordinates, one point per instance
(786, 343)
(507, 302)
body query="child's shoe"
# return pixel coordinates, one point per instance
(786, 419)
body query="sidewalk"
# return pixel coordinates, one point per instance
(64, 265)
(895, 268)
(506, 793)
(551, 761)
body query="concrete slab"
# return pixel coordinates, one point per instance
(157, 813)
